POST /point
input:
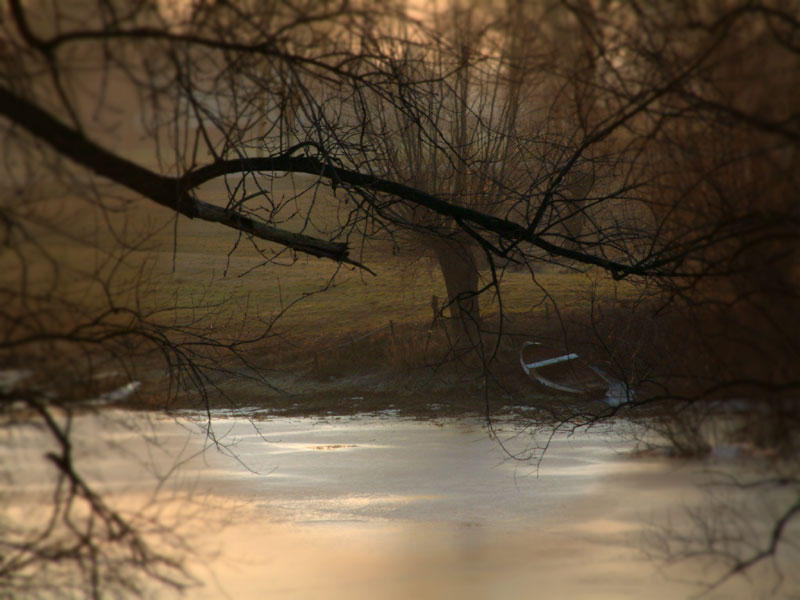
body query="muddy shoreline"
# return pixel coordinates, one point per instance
(374, 393)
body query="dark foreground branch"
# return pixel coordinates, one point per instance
(167, 191)
(776, 536)
(175, 192)
(503, 228)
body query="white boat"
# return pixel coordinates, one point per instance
(570, 374)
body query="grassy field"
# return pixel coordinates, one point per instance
(319, 297)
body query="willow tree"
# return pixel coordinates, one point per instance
(486, 122)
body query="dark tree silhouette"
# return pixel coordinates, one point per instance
(654, 143)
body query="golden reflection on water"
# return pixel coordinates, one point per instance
(355, 560)
(379, 545)
(390, 509)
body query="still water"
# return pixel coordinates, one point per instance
(382, 507)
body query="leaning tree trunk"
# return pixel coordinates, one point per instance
(460, 271)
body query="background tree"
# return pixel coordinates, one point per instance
(482, 130)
